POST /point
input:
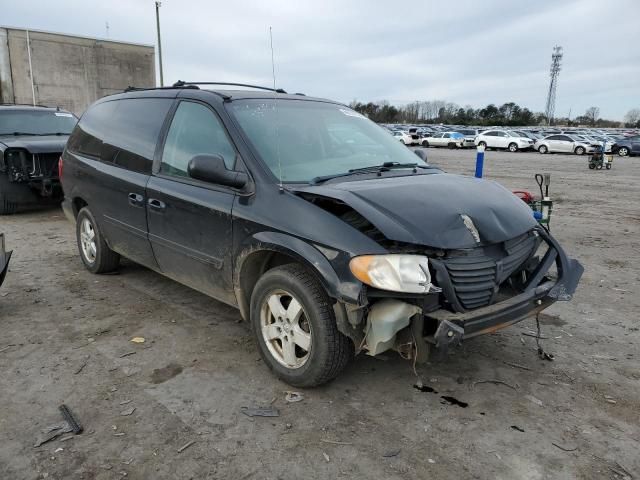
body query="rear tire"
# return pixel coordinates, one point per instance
(328, 351)
(513, 147)
(592, 166)
(94, 251)
(542, 149)
(623, 151)
(579, 151)
(608, 166)
(7, 207)
(482, 144)
(451, 145)
(425, 143)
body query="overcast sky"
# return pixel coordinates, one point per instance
(469, 52)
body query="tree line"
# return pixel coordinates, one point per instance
(508, 114)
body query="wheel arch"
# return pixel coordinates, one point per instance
(267, 250)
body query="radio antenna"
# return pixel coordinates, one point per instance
(275, 111)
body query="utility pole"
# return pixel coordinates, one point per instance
(556, 58)
(159, 42)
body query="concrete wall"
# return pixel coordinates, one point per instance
(68, 71)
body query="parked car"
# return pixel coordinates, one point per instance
(446, 139)
(470, 135)
(308, 234)
(404, 137)
(627, 146)
(503, 139)
(31, 142)
(564, 144)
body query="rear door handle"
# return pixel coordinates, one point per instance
(156, 204)
(136, 199)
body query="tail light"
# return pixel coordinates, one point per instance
(60, 167)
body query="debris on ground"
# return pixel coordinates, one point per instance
(326, 457)
(391, 453)
(335, 442)
(496, 382)
(453, 401)
(260, 411)
(70, 419)
(185, 446)
(137, 339)
(293, 397)
(535, 400)
(565, 449)
(515, 427)
(52, 432)
(127, 354)
(128, 411)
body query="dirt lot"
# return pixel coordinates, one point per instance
(66, 337)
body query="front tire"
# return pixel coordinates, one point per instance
(579, 151)
(623, 151)
(482, 144)
(293, 321)
(94, 251)
(425, 143)
(543, 149)
(513, 147)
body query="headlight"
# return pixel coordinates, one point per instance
(398, 273)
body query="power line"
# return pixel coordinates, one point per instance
(556, 58)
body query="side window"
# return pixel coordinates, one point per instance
(501, 134)
(446, 135)
(564, 138)
(492, 134)
(123, 132)
(554, 137)
(194, 130)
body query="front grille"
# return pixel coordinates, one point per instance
(476, 274)
(45, 165)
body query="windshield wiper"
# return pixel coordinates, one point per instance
(20, 133)
(35, 134)
(385, 167)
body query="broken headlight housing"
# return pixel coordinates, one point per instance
(394, 272)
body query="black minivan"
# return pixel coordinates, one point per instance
(328, 235)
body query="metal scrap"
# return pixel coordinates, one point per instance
(260, 411)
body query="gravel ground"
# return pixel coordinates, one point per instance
(66, 338)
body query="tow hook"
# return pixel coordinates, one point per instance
(447, 335)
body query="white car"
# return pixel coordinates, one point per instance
(444, 139)
(503, 139)
(408, 137)
(564, 144)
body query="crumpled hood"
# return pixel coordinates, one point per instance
(36, 144)
(428, 209)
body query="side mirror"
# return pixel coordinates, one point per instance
(421, 153)
(211, 168)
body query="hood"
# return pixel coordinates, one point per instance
(434, 210)
(36, 143)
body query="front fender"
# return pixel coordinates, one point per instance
(334, 274)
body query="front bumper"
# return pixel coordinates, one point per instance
(539, 293)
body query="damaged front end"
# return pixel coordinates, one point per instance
(37, 170)
(466, 292)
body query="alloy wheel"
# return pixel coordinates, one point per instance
(88, 240)
(285, 329)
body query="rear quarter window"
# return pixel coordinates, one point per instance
(121, 132)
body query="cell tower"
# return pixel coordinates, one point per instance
(556, 58)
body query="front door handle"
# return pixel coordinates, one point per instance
(136, 200)
(156, 204)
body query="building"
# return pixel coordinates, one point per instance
(69, 71)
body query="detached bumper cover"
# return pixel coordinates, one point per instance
(539, 293)
(4, 259)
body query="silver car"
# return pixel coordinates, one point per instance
(563, 144)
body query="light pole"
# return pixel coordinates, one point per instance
(159, 42)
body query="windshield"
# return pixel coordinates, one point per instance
(308, 139)
(37, 122)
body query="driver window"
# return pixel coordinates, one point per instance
(194, 130)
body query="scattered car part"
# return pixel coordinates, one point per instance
(70, 419)
(4, 259)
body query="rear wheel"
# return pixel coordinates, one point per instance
(513, 147)
(483, 145)
(94, 251)
(608, 166)
(451, 145)
(425, 143)
(293, 320)
(579, 151)
(543, 149)
(592, 166)
(623, 151)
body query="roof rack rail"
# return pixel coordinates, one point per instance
(181, 84)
